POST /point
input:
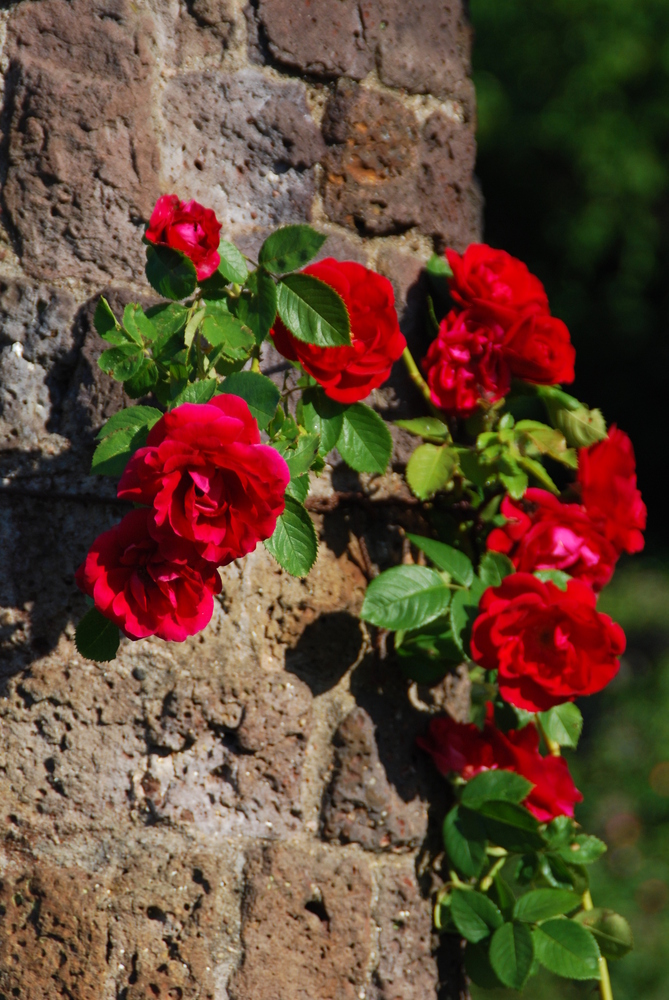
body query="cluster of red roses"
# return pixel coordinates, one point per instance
(502, 329)
(212, 491)
(547, 645)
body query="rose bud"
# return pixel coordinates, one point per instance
(189, 227)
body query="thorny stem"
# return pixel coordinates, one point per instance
(605, 990)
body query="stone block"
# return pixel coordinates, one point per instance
(82, 162)
(244, 145)
(317, 37)
(306, 928)
(361, 806)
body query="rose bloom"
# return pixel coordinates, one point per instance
(209, 479)
(459, 748)
(538, 348)
(189, 227)
(543, 533)
(495, 282)
(548, 645)
(607, 476)
(348, 374)
(465, 365)
(149, 587)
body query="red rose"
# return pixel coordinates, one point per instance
(209, 479)
(148, 587)
(188, 227)
(543, 533)
(607, 475)
(548, 646)
(494, 281)
(538, 348)
(348, 374)
(463, 749)
(465, 365)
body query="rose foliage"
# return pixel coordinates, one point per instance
(524, 503)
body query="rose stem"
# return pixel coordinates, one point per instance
(605, 990)
(415, 375)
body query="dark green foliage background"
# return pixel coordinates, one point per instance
(574, 164)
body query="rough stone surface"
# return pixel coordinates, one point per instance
(82, 160)
(305, 917)
(361, 806)
(243, 816)
(384, 174)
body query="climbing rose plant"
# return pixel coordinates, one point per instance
(527, 503)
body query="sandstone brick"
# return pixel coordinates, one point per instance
(422, 47)
(82, 159)
(244, 145)
(305, 925)
(313, 36)
(407, 967)
(384, 174)
(361, 806)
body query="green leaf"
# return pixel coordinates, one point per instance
(105, 323)
(611, 931)
(515, 483)
(132, 417)
(425, 427)
(364, 443)
(322, 416)
(96, 637)
(512, 954)
(221, 329)
(446, 558)
(495, 786)
(259, 392)
(290, 248)
(294, 544)
(143, 380)
(580, 426)
(511, 826)
(258, 309)
(464, 612)
(537, 470)
(167, 319)
(556, 576)
(474, 914)
(583, 850)
(494, 567)
(298, 488)
(137, 325)
(405, 597)
(111, 455)
(233, 266)
(121, 362)
(567, 949)
(502, 895)
(430, 467)
(438, 267)
(425, 654)
(465, 841)
(563, 724)
(540, 904)
(313, 312)
(171, 273)
(196, 392)
(478, 967)
(299, 458)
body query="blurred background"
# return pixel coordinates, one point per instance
(574, 165)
